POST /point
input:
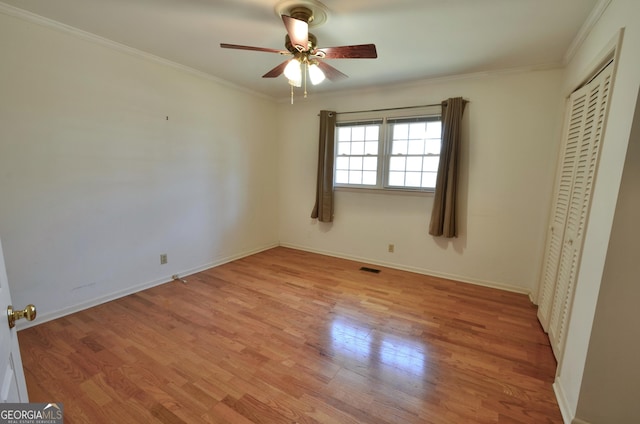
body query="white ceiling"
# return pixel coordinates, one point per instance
(415, 39)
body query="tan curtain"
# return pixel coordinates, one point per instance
(443, 217)
(323, 209)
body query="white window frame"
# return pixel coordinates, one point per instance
(384, 143)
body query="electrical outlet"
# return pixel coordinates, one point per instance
(163, 258)
(391, 248)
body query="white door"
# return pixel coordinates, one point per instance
(564, 185)
(578, 206)
(12, 384)
(583, 135)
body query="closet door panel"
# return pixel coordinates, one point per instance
(597, 93)
(564, 186)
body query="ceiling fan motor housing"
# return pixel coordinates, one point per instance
(313, 43)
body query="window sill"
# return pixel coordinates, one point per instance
(393, 191)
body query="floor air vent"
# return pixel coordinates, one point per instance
(367, 269)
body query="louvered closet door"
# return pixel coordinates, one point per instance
(571, 208)
(564, 185)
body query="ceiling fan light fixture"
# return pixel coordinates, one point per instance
(297, 83)
(307, 60)
(315, 74)
(293, 72)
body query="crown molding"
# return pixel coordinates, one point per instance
(588, 25)
(87, 36)
(417, 83)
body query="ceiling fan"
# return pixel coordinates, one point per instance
(303, 46)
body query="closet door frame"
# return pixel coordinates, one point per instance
(549, 285)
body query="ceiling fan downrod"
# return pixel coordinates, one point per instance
(302, 14)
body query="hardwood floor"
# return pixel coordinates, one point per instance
(287, 336)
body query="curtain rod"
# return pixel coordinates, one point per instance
(387, 109)
(392, 108)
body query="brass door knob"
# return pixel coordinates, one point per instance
(29, 313)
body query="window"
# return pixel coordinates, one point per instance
(414, 153)
(399, 153)
(357, 155)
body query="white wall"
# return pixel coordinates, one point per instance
(510, 144)
(611, 381)
(620, 14)
(96, 183)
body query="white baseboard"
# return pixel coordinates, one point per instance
(416, 270)
(563, 403)
(50, 316)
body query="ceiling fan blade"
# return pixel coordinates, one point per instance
(298, 32)
(277, 71)
(257, 49)
(360, 51)
(330, 72)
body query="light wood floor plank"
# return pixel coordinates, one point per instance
(286, 336)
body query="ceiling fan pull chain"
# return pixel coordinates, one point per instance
(291, 93)
(306, 70)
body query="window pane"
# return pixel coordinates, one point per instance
(355, 177)
(344, 148)
(430, 163)
(414, 164)
(399, 147)
(342, 162)
(400, 131)
(355, 163)
(397, 163)
(429, 179)
(344, 134)
(396, 178)
(371, 148)
(434, 129)
(342, 177)
(416, 147)
(417, 131)
(357, 133)
(370, 163)
(412, 179)
(371, 133)
(433, 146)
(357, 148)
(369, 178)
